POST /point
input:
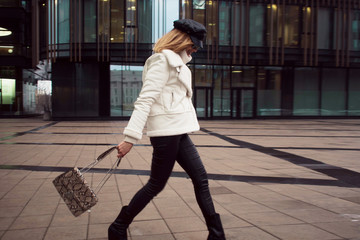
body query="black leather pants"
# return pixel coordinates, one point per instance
(167, 150)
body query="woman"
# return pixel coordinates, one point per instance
(165, 105)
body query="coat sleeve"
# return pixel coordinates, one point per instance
(157, 74)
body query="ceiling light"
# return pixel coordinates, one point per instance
(4, 32)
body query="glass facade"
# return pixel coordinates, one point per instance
(354, 93)
(306, 92)
(125, 86)
(261, 58)
(269, 91)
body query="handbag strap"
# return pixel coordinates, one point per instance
(108, 173)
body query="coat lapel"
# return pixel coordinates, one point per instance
(184, 73)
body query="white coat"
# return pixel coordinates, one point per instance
(164, 103)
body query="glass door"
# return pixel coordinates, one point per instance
(203, 104)
(242, 103)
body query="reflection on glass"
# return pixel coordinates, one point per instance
(104, 21)
(211, 22)
(286, 31)
(269, 92)
(355, 30)
(247, 102)
(131, 21)
(306, 92)
(256, 24)
(64, 21)
(333, 92)
(199, 4)
(224, 23)
(354, 92)
(324, 24)
(217, 93)
(125, 86)
(89, 21)
(203, 76)
(7, 87)
(145, 21)
(243, 76)
(200, 102)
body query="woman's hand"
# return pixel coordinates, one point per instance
(123, 148)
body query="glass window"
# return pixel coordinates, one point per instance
(306, 92)
(307, 30)
(7, 87)
(243, 77)
(131, 21)
(354, 92)
(64, 21)
(203, 76)
(324, 21)
(256, 24)
(185, 9)
(355, 31)
(224, 23)
(117, 21)
(90, 21)
(125, 86)
(103, 21)
(269, 92)
(145, 26)
(199, 11)
(291, 26)
(286, 31)
(333, 92)
(221, 91)
(337, 29)
(211, 22)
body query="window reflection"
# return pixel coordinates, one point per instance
(355, 31)
(256, 24)
(306, 92)
(125, 86)
(203, 76)
(324, 23)
(269, 91)
(284, 24)
(89, 20)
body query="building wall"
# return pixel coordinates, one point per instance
(261, 58)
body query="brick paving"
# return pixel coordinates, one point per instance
(270, 179)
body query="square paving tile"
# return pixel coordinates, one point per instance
(299, 231)
(25, 234)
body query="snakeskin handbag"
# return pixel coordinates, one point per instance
(74, 189)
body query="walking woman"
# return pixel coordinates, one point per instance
(164, 105)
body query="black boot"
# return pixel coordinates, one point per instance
(118, 229)
(216, 231)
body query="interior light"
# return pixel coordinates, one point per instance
(273, 6)
(4, 32)
(10, 50)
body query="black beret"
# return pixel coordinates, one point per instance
(195, 30)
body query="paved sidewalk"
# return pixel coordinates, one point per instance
(270, 179)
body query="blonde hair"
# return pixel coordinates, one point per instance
(174, 40)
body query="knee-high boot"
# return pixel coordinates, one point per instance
(214, 225)
(118, 229)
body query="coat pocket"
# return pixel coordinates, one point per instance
(168, 100)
